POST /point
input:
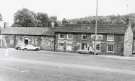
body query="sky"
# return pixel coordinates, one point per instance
(67, 8)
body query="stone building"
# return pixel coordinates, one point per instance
(111, 39)
(37, 36)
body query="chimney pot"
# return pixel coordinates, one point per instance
(52, 24)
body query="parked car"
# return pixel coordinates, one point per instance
(86, 51)
(27, 47)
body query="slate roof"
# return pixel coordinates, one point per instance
(104, 29)
(27, 31)
(115, 29)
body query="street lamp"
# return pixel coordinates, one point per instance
(96, 27)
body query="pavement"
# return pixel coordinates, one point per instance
(10, 51)
(118, 57)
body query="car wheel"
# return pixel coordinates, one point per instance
(91, 53)
(37, 49)
(18, 48)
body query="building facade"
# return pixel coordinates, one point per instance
(105, 44)
(42, 37)
(111, 39)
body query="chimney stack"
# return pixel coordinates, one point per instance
(52, 24)
(5, 24)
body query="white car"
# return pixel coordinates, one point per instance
(27, 47)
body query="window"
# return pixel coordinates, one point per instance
(110, 37)
(99, 37)
(110, 48)
(98, 47)
(69, 47)
(61, 36)
(84, 36)
(69, 36)
(61, 44)
(84, 46)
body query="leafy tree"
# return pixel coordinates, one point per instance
(111, 19)
(53, 19)
(42, 19)
(0, 17)
(64, 21)
(25, 18)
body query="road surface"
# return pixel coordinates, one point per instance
(47, 66)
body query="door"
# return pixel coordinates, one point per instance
(26, 41)
(84, 46)
(98, 46)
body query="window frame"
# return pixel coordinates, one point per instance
(84, 46)
(110, 37)
(97, 38)
(61, 44)
(99, 46)
(82, 36)
(108, 48)
(59, 36)
(69, 37)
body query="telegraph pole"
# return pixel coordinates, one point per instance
(96, 27)
(128, 22)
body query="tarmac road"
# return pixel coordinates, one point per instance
(20, 68)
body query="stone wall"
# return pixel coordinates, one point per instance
(33, 40)
(47, 43)
(128, 41)
(44, 42)
(77, 41)
(7, 41)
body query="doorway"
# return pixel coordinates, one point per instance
(84, 46)
(98, 46)
(26, 41)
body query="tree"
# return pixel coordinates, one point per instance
(53, 19)
(2, 23)
(64, 21)
(0, 17)
(42, 19)
(25, 18)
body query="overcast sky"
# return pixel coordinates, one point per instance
(66, 8)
